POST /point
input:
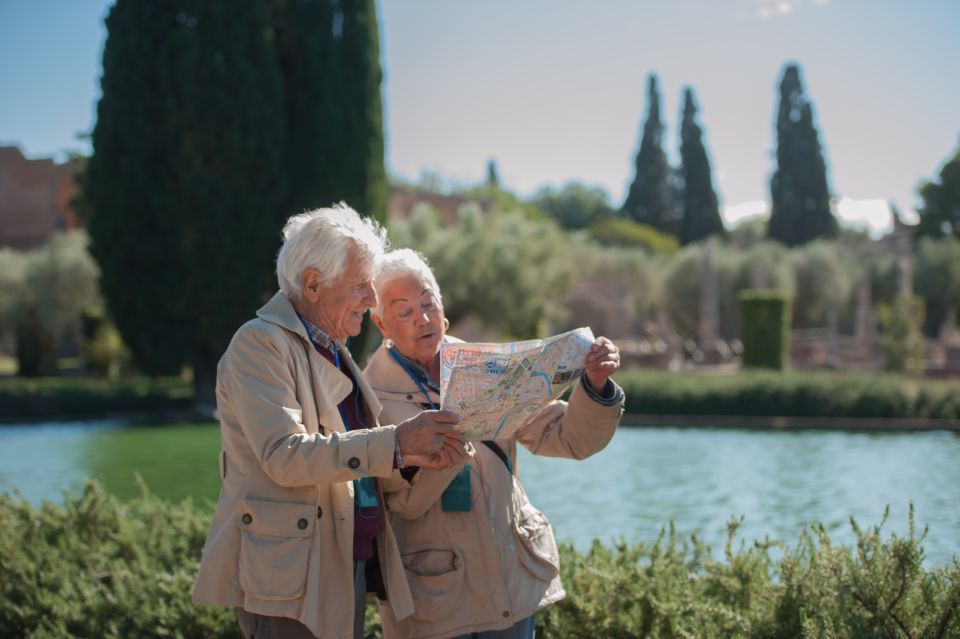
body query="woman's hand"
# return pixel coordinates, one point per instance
(603, 360)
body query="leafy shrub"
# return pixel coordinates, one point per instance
(677, 589)
(614, 231)
(100, 568)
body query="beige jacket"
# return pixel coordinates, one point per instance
(497, 564)
(281, 540)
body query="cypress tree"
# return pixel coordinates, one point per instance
(650, 199)
(185, 176)
(800, 196)
(940, 213)
(364, 177)
(701, 213)
(307, 55)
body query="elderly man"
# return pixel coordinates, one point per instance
(299, 533)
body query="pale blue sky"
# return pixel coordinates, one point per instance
(554, 90)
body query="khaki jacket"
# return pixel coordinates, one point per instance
(497, 564)
(281, 540)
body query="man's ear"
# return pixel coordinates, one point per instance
(311, 284)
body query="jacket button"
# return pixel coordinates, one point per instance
(506, 613)
(353, 462)
(319, 512)
(247, 518)
(409, 396)
(302, 524)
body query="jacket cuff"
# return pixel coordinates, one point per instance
(611, 396)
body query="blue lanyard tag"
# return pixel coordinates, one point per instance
(456, 497)
(365, 495)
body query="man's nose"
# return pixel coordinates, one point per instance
(370, 295)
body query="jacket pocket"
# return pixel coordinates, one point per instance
(275, 540)
(435, 574)
(537, 548)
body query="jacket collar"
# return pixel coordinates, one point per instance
(279, 310)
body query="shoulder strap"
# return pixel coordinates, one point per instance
(499, 453)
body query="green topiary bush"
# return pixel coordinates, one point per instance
(765, 329)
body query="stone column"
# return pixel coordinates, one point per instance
(709, 304)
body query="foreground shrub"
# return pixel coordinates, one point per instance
(99, 568)
(674, 589)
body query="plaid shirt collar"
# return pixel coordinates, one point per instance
(317, 336)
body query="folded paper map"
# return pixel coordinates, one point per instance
(496, 388)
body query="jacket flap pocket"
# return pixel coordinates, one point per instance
(277, 518)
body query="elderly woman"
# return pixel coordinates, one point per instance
(299, 533)
(481, 560)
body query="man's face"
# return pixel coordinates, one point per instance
(338, 309)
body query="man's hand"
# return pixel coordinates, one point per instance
(430, 441)
(603, 360)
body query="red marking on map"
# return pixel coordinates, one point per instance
(449, 356)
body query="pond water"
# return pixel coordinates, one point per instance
(699, 478)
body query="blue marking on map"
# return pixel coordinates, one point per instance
(546, 379)
(503, 422)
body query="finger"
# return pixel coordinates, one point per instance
(455, 437)
(444, 417)
(457, 451)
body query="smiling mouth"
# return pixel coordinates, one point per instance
(427, 336)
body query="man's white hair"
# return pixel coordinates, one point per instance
(403, 263)
(321, 239)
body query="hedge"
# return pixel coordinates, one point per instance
(32, 398)
(100, 568)
(793, 393)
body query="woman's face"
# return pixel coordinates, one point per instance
(412, 318)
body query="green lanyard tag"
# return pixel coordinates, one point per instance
(456, 497)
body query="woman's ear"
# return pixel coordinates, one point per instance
(379, 322)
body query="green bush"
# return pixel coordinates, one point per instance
(22, 398)
(765, 329)
(766, 590)
(792, 393)
(101, 568)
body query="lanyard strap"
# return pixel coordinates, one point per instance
(413, 376)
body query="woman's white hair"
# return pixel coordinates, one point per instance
(403, 263)
(321, 239)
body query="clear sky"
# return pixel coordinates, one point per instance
(554, 90)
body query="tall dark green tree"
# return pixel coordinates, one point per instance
(364, 177)
(329, 53)
(701, 213)
(940, 213)
(651, 198)
(186, 175)
(800, 196)
(307, 54)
